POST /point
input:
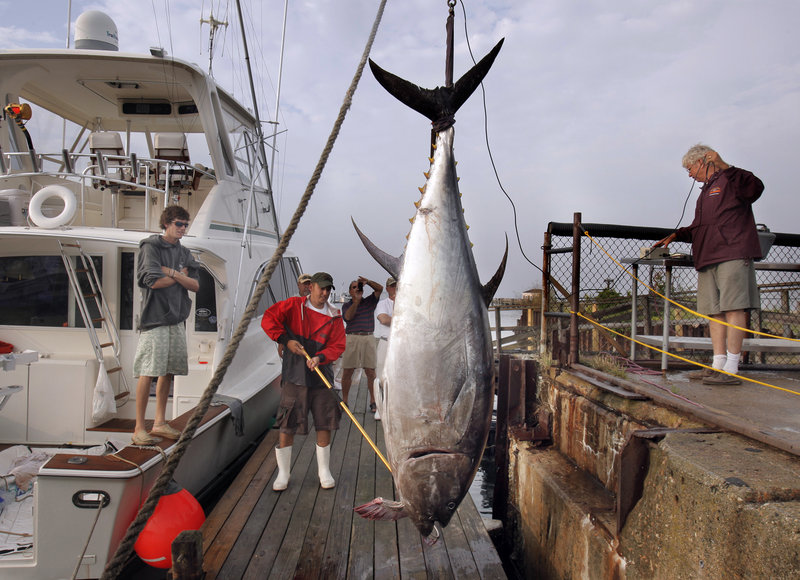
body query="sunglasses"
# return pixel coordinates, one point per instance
(181, 224)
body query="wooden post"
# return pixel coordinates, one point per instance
(500, 499)
(187, 556)
(531, 391)
(576, 289)
(497, 323)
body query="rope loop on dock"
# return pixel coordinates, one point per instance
(117, 563)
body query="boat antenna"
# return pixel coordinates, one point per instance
(259, 133)
(69, 31)
(213, 25)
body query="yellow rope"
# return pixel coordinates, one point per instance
(657, 293)
(682, 358)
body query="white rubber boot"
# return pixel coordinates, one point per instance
(323, 467)
(284, 456)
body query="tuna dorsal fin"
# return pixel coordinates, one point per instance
(441, 102)
(491, 286)
(388, 262)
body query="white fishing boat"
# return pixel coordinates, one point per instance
(95, 143)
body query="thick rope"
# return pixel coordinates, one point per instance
(117, 563)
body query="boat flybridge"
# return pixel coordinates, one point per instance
(93, 145)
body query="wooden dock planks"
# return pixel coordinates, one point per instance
(307, 532)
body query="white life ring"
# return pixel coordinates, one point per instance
(66, 215)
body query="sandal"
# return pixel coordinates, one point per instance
(166, 431)
(144, 438)
(372, 407)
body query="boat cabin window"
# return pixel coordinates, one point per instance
(127, 290)
(35, 291)
(278, 288)
(205, 304)
(205, 300)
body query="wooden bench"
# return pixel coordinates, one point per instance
(760, 344)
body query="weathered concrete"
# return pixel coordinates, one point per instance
(716, 506)
(565, 518)
(590, 425)
(713, 505)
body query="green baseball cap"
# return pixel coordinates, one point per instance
(323, 279)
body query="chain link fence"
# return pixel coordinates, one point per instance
(606, 293)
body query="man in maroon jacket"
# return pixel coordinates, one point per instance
(724, 244)
(306, 325)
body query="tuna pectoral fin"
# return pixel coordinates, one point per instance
(441, 102)
(381, 509)
(389, 263)
(491, 286)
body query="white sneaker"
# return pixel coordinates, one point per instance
(377, 416)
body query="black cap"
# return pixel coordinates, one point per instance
(323, 279)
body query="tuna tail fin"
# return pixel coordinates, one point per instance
(440, 103)
(389, 263)
(491, 286)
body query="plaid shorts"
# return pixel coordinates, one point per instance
(162, 351)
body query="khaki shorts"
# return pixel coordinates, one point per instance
(297, 401)
(727, 286)
(360, 352)
(161, 351)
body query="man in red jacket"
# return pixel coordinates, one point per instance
(306, 325)
(725, 242)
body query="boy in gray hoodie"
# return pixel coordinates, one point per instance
(166, 273)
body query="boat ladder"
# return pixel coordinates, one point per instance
(86, 286)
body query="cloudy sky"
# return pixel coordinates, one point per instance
(589, 108)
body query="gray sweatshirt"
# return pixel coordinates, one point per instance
(163, 306)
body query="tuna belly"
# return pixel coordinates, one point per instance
(432, 485)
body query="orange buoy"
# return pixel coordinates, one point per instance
(176, 511)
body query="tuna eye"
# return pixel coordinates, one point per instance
(451, 505)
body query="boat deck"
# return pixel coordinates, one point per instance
(308, 532)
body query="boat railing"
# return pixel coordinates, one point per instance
(116, 173)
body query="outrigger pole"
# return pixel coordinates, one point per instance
(259, 133)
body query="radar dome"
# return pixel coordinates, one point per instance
(95, 30)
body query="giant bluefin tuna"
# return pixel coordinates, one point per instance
(438, 378)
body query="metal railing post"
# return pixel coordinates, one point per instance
(576, 289)
(545, 291)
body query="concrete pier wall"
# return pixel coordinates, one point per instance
(696, 504)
